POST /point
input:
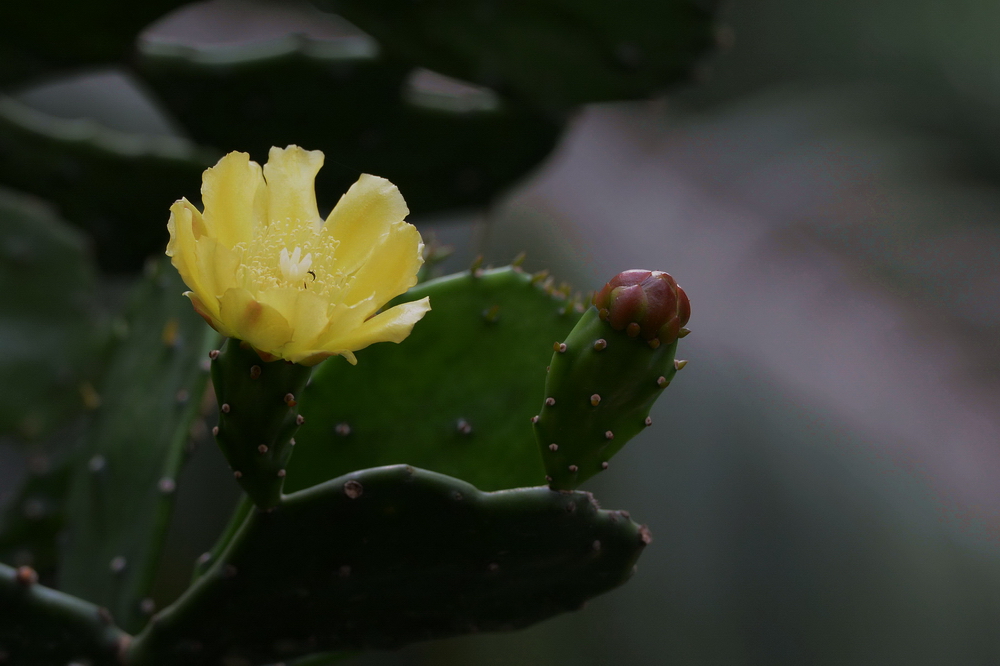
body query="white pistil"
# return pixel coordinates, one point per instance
(294, 267)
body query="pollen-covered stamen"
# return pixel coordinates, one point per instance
(294, 266)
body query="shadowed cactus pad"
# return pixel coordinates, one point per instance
(387, 556)
(39, 625)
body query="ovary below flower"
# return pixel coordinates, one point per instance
(263, 267)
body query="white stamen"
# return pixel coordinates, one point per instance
(294, 267)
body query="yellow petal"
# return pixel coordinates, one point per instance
(234, 198)
(207, 314)
(391, 268)
(304, 311)
(185, 225)
(366, 212)
(393, 325)
(260, 325)
(291, 175)
(217, 266)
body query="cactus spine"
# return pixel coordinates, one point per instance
(257, 417)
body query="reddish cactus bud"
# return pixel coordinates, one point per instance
(649, 304)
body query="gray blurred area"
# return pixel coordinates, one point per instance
(823, 479)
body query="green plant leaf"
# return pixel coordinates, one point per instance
(456, 397)
(383, 557)
(360, 109)
(50, 332)
(123, 488)
(556, 53)
(117, 187)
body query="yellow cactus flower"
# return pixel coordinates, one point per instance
(263, 267)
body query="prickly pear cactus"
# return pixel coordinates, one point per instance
(39, 625)
(258, 416)
(387, 556)
(607, 373)
(455, 399)
(125, 480)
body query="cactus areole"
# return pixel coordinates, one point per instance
(645, 303)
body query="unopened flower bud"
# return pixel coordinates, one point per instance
(649, 300)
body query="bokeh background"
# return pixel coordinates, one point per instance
(823, 479)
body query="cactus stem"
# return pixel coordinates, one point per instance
(595, 400)
(662, 382)
(290, 400)
(604, 465)
(553, 447)
(342, 429)
(255, 372)
(573, 469)
(551, 402)
(600, 344)
(26, 576)
(238, 474)
(225, 408)
(559, 347)
(262, 448)
(299, 420)
(679, 364)
(648, 421)
(214, 354)
(609, 435)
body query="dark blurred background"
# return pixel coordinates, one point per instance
(823, 481)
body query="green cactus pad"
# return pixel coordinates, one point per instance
(597, 397)
(100, 32)
(32, 521)
(39, 625)
(116, 186)
(384, 557)
(249, 98)
(51, 333)
(455, 397)
(258, 416)
(123, 488)
(557, 52)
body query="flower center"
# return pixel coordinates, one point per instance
(294, 266)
